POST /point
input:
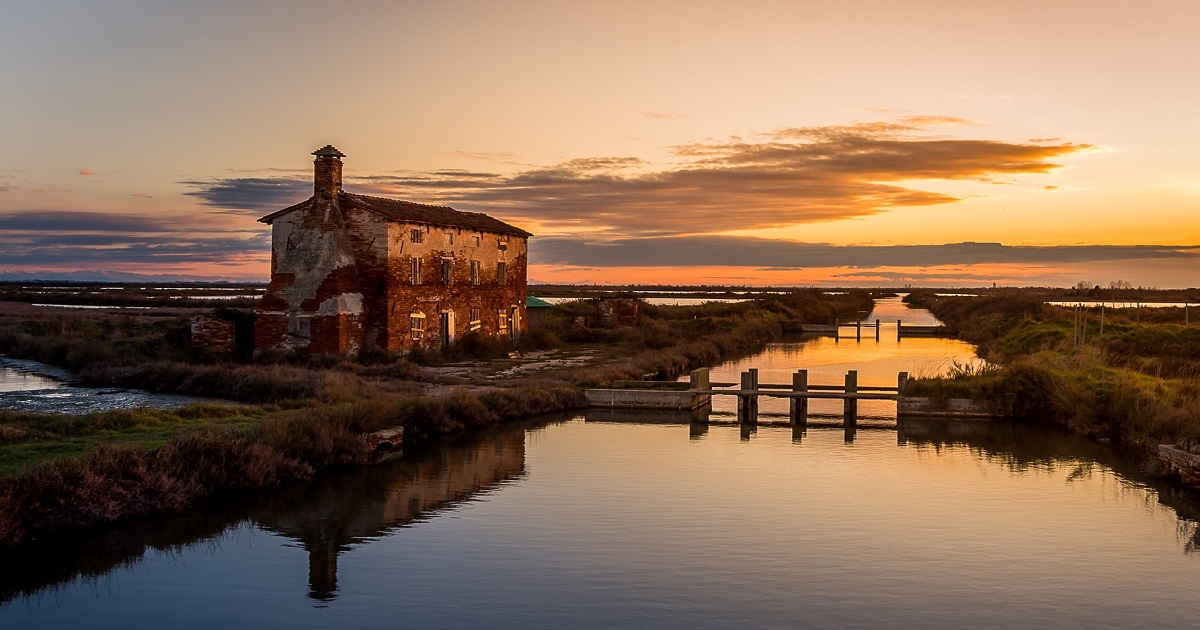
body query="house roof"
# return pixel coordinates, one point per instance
(410, 212)
(534, 302)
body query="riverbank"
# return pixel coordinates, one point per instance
(1119, 375)
(308, 415)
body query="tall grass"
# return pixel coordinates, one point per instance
(1136, 382)
(113, 483)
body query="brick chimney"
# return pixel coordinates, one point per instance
(327, 169)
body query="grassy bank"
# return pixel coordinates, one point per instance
(1137, 380)
(59, 473)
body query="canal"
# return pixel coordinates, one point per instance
(579, 523)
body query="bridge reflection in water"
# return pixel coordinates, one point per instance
(340, 512)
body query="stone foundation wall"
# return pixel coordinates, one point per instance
(1184, 463)
(213, 335)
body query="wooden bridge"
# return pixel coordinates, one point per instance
(798, 393)
(699, 390)
(902, 330)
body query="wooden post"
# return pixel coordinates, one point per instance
(1074, 330)
(858, 330)
(851, 404)
(742, 398)
(877, 330)
(698, 380)
(799, 406)
(1186, 319)
(899, 324)
(837, 328)
(1102, 319)
(901, 383)
(754, 397)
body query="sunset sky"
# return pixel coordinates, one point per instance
(850, 143)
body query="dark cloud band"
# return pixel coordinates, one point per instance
(700, 251)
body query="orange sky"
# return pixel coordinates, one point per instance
(797, 142)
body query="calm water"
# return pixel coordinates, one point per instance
(586, 523)
(32, 386)
(827, 361)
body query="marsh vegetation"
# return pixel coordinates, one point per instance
(288, 417)
(1124, 374)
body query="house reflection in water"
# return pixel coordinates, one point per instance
(343, 511)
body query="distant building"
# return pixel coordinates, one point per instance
(352, 272)
(538, 310)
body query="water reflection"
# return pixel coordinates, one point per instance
(37, 387)
(827, 361)
(936, 524)
(337, 513)
(326, 518)
(23, 376)
(1024, 447)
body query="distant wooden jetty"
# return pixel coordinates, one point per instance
(902, 329)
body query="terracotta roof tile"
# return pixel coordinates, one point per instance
(410, 212)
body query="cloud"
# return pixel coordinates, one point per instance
(936, 121)
(70, 221)
(250, 193)
(498, 158)
(87, 172)
(656, 114)
(701, 251)
(786, 177)
(91, 239)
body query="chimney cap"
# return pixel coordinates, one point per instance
(328, 151)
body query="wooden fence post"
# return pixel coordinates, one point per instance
(799, 406)
(754, 397)
(851, 404)
(743, 399)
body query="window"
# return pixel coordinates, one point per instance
(299, 327)
(447, 271)
(416, 324)
(475, 324)
(503, 322)
(501, 272)
(502, 243)
(474, 272)
(415, 268)
(416, 235)
(475, 240)
(449, 237)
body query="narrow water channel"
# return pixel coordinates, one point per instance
(877, 361)
(32, 386)
(602, 524)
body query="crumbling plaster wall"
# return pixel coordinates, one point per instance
(319, 257)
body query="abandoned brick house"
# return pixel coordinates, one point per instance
(351, 272)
